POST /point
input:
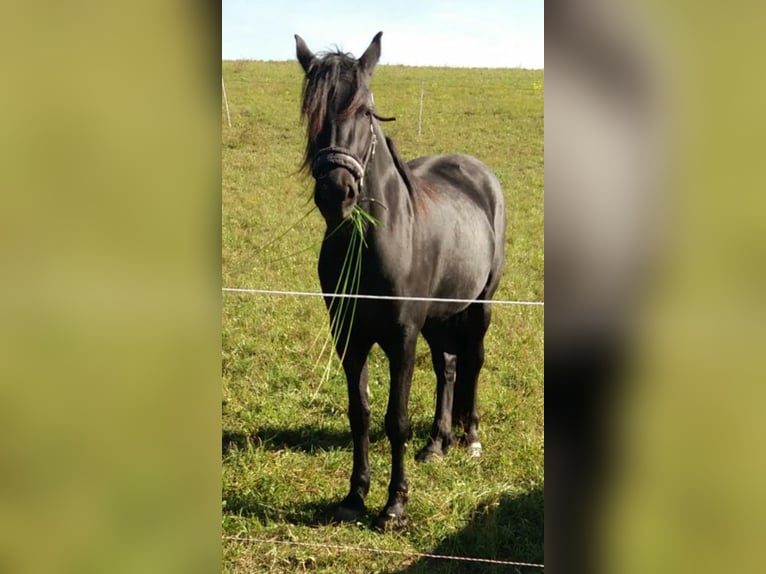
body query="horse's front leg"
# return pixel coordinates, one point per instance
(401, 357)
(355, 366)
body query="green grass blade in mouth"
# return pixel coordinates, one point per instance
(340, 307)
(360, 220)
(308, 247)
(311, 246)
(286, 231)
(336, 303)
(355, 284)
(343, 309)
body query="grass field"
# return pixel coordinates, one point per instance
(286, 446)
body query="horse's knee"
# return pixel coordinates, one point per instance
(359, 416)
(398, 428)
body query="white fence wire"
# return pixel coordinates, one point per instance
(376, 297)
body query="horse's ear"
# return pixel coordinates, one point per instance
(305, 56)
(371, 56)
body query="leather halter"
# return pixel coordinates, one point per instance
(335, 156)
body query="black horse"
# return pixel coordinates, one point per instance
(439, 234)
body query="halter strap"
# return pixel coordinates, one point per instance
(335, 156)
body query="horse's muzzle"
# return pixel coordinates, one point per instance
(336, 193)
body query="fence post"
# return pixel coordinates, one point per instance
(226, 101)
(420, 112)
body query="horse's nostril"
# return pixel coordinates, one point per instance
(350, 192)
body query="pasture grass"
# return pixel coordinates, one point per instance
(286, 446)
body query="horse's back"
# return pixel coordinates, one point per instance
(460, 177)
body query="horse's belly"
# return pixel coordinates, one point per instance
(462, 273)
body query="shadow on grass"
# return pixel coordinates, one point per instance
(316, 513)
(303, 438)
(512, 531)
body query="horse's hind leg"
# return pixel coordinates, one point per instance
(469, 362)
(441, 432)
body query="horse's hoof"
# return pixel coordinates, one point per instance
(474, 449)
(428, 454)
(390, 521)
(344, 514)
(349, 513)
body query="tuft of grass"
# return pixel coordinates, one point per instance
(286, 458)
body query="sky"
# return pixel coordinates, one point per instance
(460, 33)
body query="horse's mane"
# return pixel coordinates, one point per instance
(328, 71)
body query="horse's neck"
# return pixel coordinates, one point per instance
(392, 238)
(386, 194)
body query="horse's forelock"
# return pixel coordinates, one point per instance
(320, 88)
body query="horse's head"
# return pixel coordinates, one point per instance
(337, 105)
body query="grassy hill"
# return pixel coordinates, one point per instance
(286, 445)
